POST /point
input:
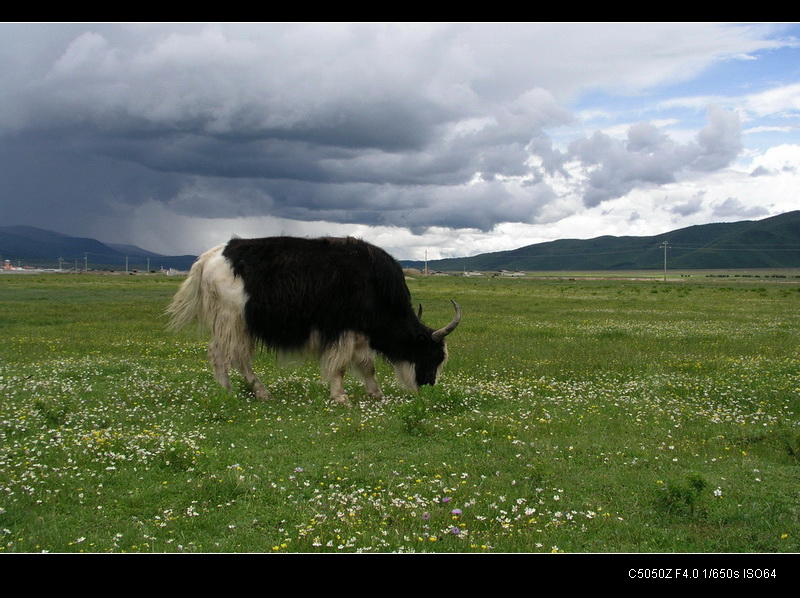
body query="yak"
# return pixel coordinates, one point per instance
(342, 300)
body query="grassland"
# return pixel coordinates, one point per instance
(573, 416)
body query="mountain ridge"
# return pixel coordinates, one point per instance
(32, 246)
(772, 242)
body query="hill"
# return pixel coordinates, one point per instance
(31, 246)
(769, 243)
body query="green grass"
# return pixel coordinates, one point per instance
(573, 416)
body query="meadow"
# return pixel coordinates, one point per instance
(574, 415)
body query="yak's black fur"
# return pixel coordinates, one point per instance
(296, 286)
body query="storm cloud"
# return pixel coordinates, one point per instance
(410, 126)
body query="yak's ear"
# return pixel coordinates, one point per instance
(419, 313)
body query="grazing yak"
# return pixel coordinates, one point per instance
(341, 299)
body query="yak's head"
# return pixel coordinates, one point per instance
(428, 356)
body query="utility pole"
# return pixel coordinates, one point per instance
(665, 245)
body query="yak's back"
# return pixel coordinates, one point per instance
(296, 285)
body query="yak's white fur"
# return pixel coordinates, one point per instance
(214, 297)
(406, 373)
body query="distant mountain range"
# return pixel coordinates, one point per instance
(31, 246)
(769, 243)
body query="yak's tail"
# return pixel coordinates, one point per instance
(187, 305)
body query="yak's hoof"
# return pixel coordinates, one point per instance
(341, 399)
(262, 394)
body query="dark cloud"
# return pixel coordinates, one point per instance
(692, 206)
(760, 171)
(413, 126)
(377, 138)
(734, 208)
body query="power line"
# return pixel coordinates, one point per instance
(510, 252)
(739, 248)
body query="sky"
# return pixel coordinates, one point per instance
(428, 139)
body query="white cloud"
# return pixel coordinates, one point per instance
(785, 98)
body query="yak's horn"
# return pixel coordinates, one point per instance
(443, 332)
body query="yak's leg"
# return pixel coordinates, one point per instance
(338, 394)
(252, 379)
(364, 361)
(232, 345)
(370, 384)
(258, 387)
(244, 361)
(334, 362)
(352, 349)
(219, 361)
